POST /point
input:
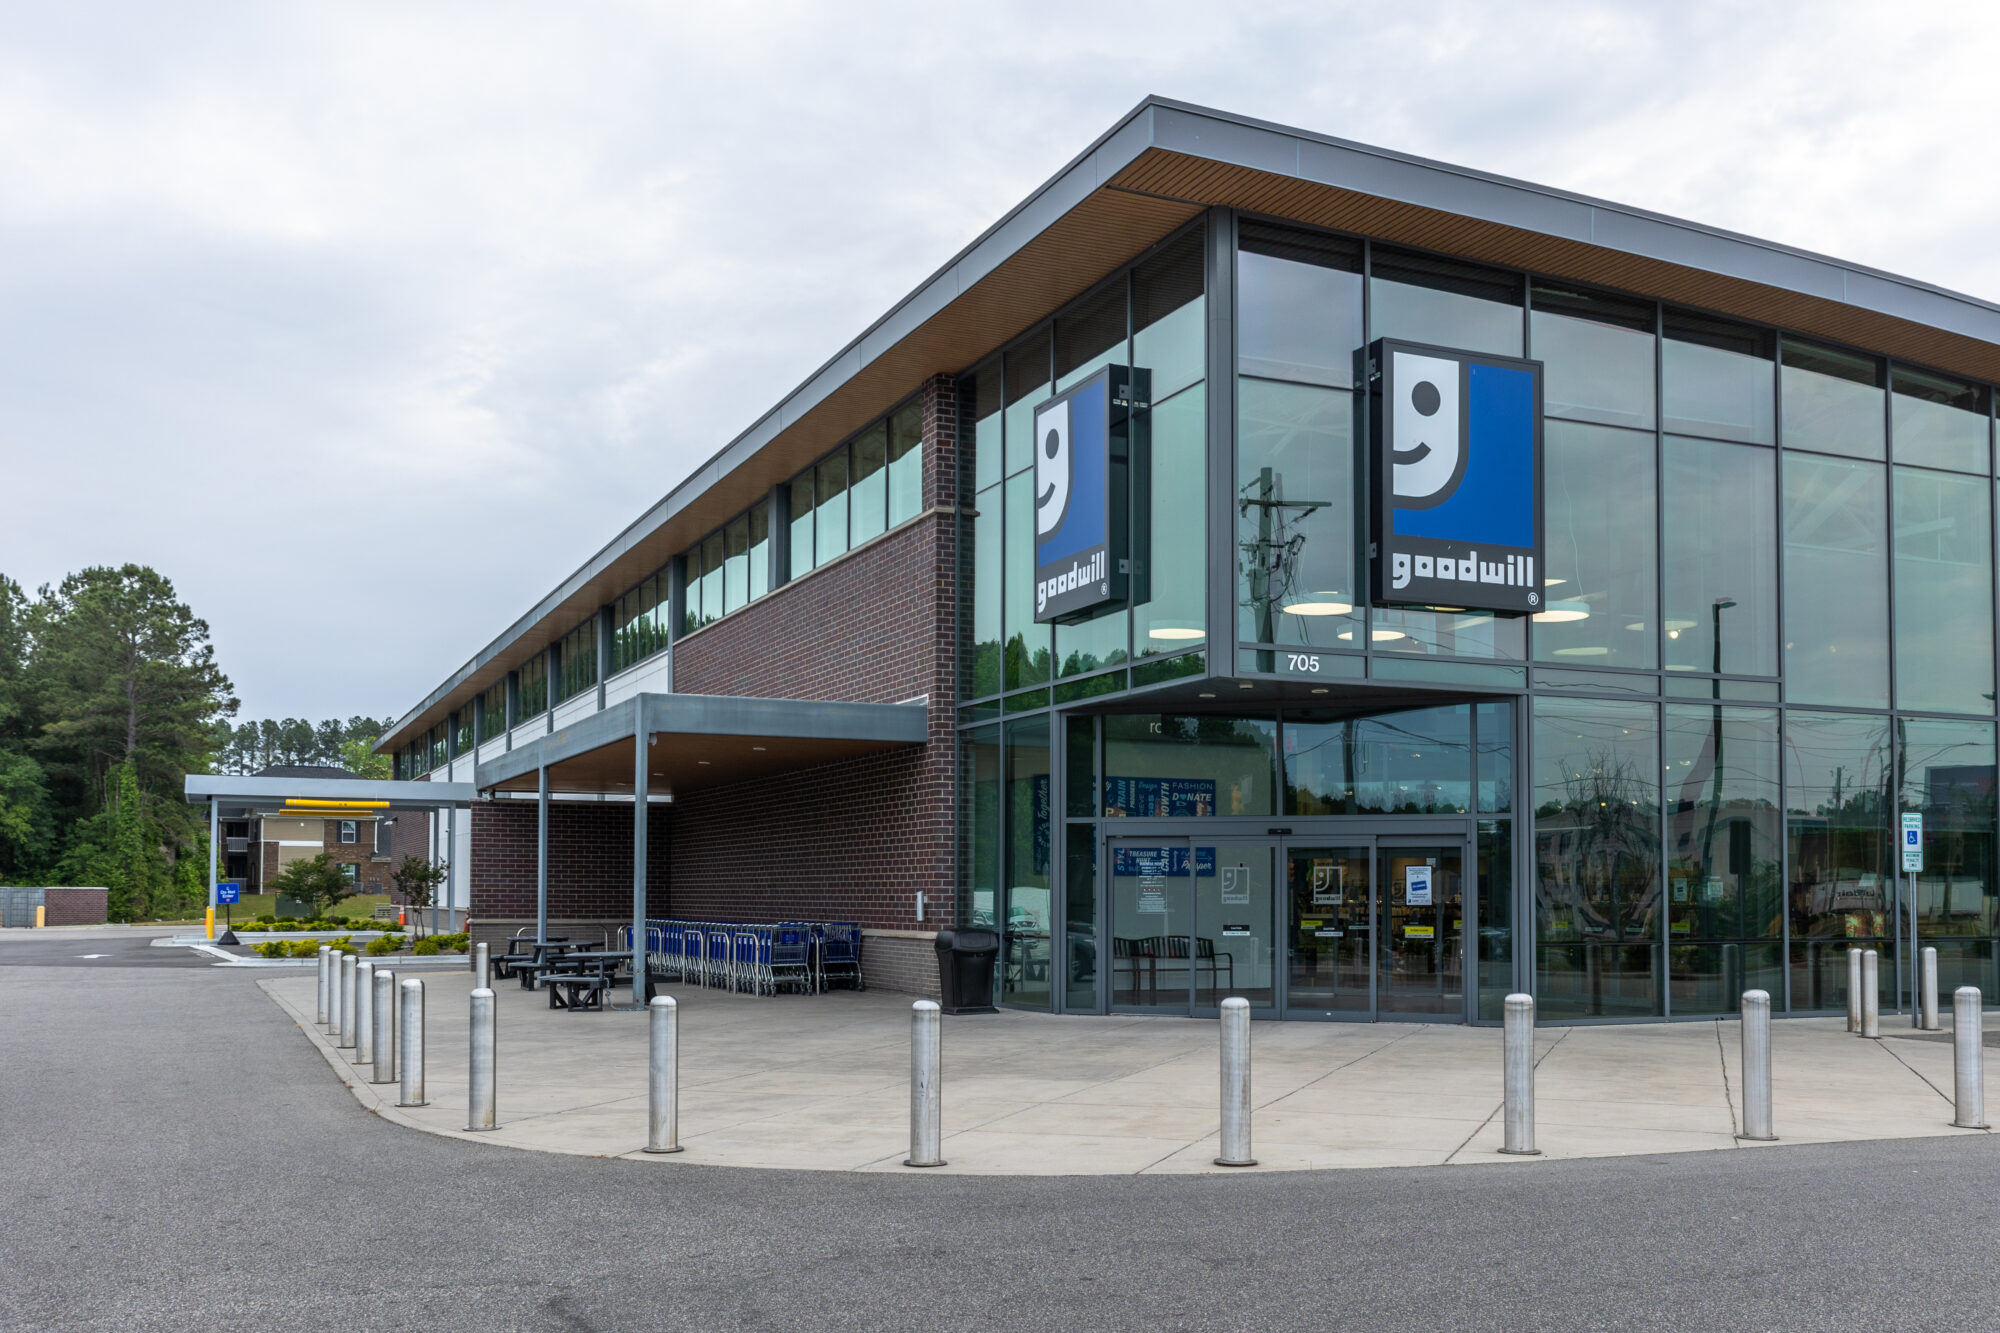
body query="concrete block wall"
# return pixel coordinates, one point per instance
(75, 907)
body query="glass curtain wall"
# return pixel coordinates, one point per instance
(1840, 885)
(1947, 776)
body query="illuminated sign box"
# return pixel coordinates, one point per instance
(1455, 479)
(1083, 456)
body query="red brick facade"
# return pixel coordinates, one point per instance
(855, 840)
(74, 907)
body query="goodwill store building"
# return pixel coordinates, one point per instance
(1267, 565)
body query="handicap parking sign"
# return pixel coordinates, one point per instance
(229, 892)
(1913, 842)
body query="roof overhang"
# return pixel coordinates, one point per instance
(270, 794)
(697, 741)
(1157, 168)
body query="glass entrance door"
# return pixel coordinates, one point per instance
(1235, 923)
(1330, 935)
(1152, 917)
(1421, 927)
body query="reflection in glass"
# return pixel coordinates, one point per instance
(1414, 762)
(1027, 650)
(986, 640)
(1080, 766)
(1092, 336)
(1025, 931)
(1937, 421)
(1948, 777)
(1597, 355)
(1027, 387)
(1495, 914)
(868, 491)
(1330, 950)
(1717, 380)
(1169, 337)
(979, 826)
(830, 511)
(1944, 592)
(736, 564)
(1294, 514)
(1421, 946)
(906, 464)
(1298, 305)
(760, 549)
(1832, 400)
(1721, 557)
(979, 396)
(1171, 443)
(1836, 583)
(1725, 907)
(1235, 920)
(1455, 632)
(1496, 756)
(1165, 766)
(801, 492)
(1425, 299)
(1152, 918)
(1842, 890)
(1599, 515)
(1080, 919)
(1596, 772)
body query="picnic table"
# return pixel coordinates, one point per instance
(520, 952)
(544, 954)
(578, 978)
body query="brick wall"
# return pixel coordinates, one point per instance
(74, 907)
(590, 860)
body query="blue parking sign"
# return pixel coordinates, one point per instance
(229, 892)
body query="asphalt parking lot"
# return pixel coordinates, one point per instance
(179, 1157)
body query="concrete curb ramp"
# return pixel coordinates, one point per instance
(821, 1083)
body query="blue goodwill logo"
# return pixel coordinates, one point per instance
(1073, 501)
(1457, 479)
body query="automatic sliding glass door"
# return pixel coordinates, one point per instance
(1422, 927)
(1235, 920)
(1152, 918)
(1330, 931)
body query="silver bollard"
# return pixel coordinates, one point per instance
(1927, 1011)
(1757, 1066)
(663, 1070)
(364, 1013)
(481, 967)
(1871, 994)
(1520, 1077)
(1235, 1083)
(480, 1111)
(325, 1016)
(1968, 1059)
(925, 1092)
(385, 1027)
(1854, 990)
(347, 962)
(410, 1043)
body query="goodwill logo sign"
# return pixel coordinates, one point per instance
(1456, 479)
(1080, 477)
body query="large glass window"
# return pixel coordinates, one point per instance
(1836, 582)
(1496, 756)
(1169, 338)
(801, 491)
(639, 622)
(532, 686)
(712, 602)
(1938, 421)
(1596, 773)
(576, 660)
(868, 492)
(906, 464)
(1718, 512)
(986, 552)
(979, 394)
(1496, 916)
(1599, 514)
(1948, 777)
(760, 550)
(1842, 891)
(1944, 592)
(1832, 400)
(736, 564)
(1091, 336)
(1717, 379)
(1025, 938)
(979, 826)
(830, 507)
(1027, 642)
(1172, 439)
(1725, 904)
(1596, 353)
(1165, 766)
(1027, 387)
(1426, 299)
(1298, 305)
(1294, 514)
(1417, 762)
(493, 711)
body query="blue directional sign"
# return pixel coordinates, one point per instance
(229, 892)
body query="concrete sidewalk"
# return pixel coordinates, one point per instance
(823, 1083)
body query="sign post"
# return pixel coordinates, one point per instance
(1913, 865)
(228, 893)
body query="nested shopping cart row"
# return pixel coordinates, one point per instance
(757, 958)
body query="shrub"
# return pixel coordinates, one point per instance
(458, 943)
(266, 919)
(299, 948)
(275, 949)
(425, 947)
(386, 945)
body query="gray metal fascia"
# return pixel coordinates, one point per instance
(225, 787)
(1220, 136)
(579, 737)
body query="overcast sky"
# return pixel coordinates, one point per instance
(366, 324)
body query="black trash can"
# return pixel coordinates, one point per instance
(965, 970)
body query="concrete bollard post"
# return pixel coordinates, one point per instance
(1235, 1136)
(663, 1075)
(480, 1109)
(1854, 990)
(1927, 1013)
(1519, 1110)
(364, 1013)
(926, 1139)
(482, 968)
(325, 1015)
(1757, 1066)
(1968, 1059)
(385, 1027)
(347, 963)
(1871, 994)
(410, 1043)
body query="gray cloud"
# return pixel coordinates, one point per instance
(367, 324)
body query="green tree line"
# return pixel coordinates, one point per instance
(109, 696)
(249, 747)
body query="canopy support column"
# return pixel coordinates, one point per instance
(212, 829)
(542, 854)
(639, 813)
